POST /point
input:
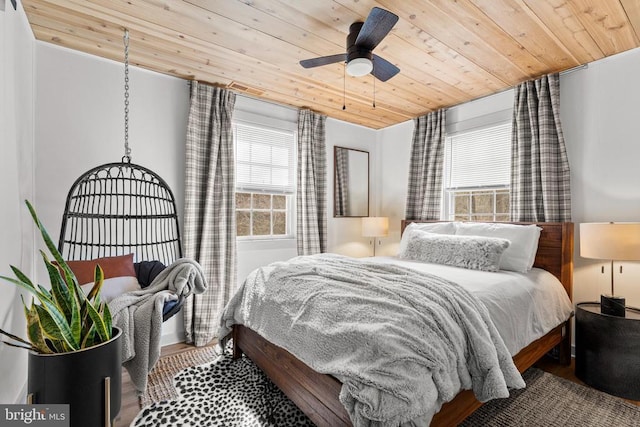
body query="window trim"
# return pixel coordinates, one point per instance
(278, 125)
(447, 211)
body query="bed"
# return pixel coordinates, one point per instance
(317, 394)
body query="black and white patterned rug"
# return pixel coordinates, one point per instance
(225, 392)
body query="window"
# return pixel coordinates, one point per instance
(477, 174)
(265, 181)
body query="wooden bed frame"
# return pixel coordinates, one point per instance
(317, 394)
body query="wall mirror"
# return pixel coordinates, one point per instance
(351, 182)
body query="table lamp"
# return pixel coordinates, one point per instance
(375, 226)
(615, 241)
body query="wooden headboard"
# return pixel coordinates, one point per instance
(555, 249)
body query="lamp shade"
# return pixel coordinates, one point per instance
(618, 241)
(375, 226)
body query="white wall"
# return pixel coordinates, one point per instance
(345, 234)
(80, 124)
(16, 184)
(601, 123)
(393, 153)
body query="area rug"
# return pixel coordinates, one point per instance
(224, 392)
(236, 393)
(160, 382)
(552, 401)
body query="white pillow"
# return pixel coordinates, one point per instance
(520, 254)
(114, 287)
(431, 227)
(472, 252)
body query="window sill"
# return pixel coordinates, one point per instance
(266, 243)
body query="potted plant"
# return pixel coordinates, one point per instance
(74, 350)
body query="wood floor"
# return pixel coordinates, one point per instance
(130, 408)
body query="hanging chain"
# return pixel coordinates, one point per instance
(127, 150)
(373, 63)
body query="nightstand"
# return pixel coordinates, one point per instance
(608, 350)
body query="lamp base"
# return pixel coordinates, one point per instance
(612, 305)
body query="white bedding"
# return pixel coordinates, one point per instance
(523, 306)
(401, 342)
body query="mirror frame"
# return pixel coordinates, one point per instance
(335, 182)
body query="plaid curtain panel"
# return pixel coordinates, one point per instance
(425, 170)
(540, 178)
(311, 196)
(342, 182)
(210, 217)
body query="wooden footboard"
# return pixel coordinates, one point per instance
(314, 393)
(465, 403)
(317, 394)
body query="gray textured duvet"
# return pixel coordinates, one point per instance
(401, 342)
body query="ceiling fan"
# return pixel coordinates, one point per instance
(362, 39)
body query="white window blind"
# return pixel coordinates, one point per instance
(265, 159)
(479, 158)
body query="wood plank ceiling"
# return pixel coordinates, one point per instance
(449, 51)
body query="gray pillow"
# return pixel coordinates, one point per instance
(472, 252)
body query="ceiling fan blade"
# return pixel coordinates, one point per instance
(375, 28)
(323, 60)
(382, 69)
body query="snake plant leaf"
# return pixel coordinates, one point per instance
(89, 338)
(70, 278)
(76, 318)
(47, 240)
(10, 344)
(98, 322)
(22, 277)
(59, 289)
(98, 280)
(22, 343)
(54, 325)
(34, 331)
(45, 293)
(66, 319)
(56, 346)
(27, 286)
(106, 315)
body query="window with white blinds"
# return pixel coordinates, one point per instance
(477, 174)
(479, 158)
(265, 159)
(265, 181)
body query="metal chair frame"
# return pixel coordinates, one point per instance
(117, 209)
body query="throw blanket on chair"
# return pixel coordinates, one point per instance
(401, 342)
(139, 315)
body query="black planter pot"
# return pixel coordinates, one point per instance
(79, 379)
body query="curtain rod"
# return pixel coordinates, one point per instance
(561, 73)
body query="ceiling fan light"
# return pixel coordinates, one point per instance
(359, 67)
